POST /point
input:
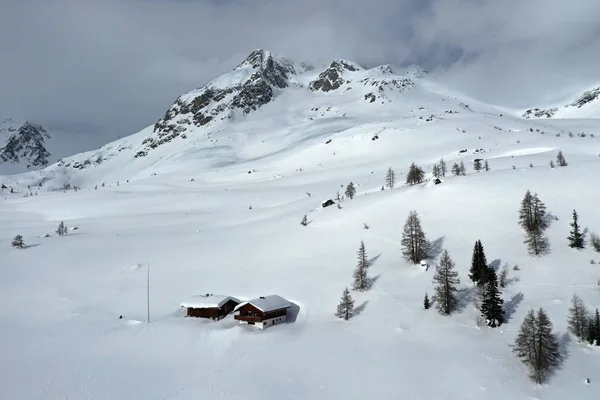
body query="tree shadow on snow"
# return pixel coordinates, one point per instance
(358, 310)
(564, 341)
(464, 297)
(436, 247)
(510, 307)
(27, 246)
(496, 264)
(372, 281)
(372, 260)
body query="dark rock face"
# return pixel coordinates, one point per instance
(587, 97)
(539, 113)
(213, 103)
(26, 143)
(332, 78)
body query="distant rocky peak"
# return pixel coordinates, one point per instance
(333, 76)
(25, 143)
(276, 70)
(415, 71)
(586, 98)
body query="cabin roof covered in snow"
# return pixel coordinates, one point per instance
(210, 301)
(267, 303)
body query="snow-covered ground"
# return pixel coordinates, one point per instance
(210, 226)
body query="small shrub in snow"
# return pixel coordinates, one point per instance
(18, 242)
(426, 303)
(304, 221)
(366, 226)
(345, 309)
(530, 165)
(552, 164)
(560, 160)
(592, 261)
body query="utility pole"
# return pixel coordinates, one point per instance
(148, 292)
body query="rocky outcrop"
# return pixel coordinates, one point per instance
(333, 77)
(586, 98)
(540, 113)
(250, 85)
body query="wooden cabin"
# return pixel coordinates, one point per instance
(263, 312)
(210, 306)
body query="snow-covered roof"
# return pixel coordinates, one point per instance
(267, 303)
(210, 301)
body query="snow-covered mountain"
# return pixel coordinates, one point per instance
(265, 104)
(586, 105)
(23, 144)
(27, 146)
(218, 207)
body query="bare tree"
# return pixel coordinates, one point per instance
(578, 317)
(446, 281)
(415, 245)
(390, 178)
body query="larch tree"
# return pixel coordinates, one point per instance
(415, 246)
(345, 309)
(463, 170)
(479, 264)
(455, 169)
(477, 165)
(503, 276)
(446, 281)
(390, 178)
(486, 165)
(491, 306)
(560, 159)
(436, 171)
(361, 278)
(415, 174)
(578, 318)
(576, 237)
(534, 220)
(350, 191)
(18, 242)
(443, 168)
(536, 346)
(62, 229)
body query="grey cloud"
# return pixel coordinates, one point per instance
(114, 66)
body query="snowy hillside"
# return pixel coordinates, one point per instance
(26, 146)
(587, 105)
(217, 209)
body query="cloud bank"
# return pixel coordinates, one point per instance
(114, 66)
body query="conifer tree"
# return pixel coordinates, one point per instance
(350, 190)
(551, 163)
(443, 168)
(491, 306)
(390, 178)
(426, 303)
(463, 170)
(477, 165)
(18, 242)
(415, 174)
(536, 346)
(304, 221)
(486, 165)
(595, 241)
(62, 229)
(534, 220)
(596, 328)
(361, 279)
(578, 318)
(345, 309)
(576, 237)
(479, 264)
(415, 245)
(446, 281)
(455, 169)
(560, 160)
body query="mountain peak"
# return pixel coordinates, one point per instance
(332, 77)
(23, 142)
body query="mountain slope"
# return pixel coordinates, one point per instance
(586, 105)
(23, 144)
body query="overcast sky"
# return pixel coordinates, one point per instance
(115, 66)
